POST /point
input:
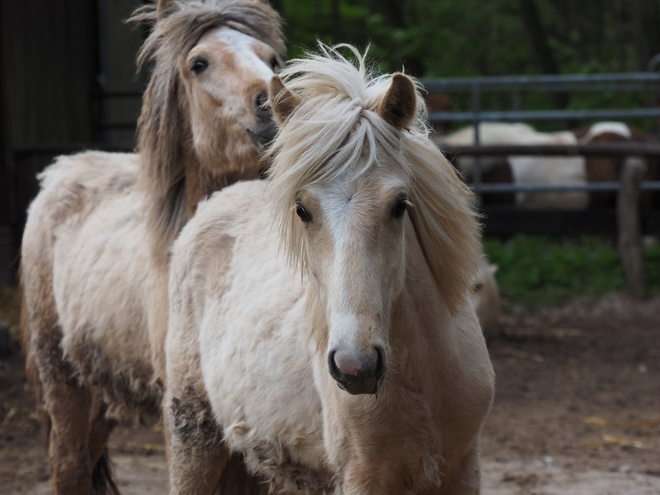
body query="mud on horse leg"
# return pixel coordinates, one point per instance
(70, 463)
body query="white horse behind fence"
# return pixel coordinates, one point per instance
(555, 170)
(320, 323)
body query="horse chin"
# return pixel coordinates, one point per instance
(359, 385)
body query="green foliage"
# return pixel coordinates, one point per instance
(536, 270)
(446, 38)
(449, 38)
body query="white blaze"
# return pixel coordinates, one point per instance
(242, 45)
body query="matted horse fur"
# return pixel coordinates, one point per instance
(95, 252)
(352, 265)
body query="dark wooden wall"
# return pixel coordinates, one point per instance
(58, 61)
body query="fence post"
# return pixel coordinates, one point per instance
(629, 228)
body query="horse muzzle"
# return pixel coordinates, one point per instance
(356, 373)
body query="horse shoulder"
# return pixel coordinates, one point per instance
(237, 326)
(215, 252)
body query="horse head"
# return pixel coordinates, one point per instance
(346, 193)
(204, 120)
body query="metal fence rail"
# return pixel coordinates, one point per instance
(620, 149)
(544, 115)
(635, 82)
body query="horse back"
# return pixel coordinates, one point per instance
(82, 287)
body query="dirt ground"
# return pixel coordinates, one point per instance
(577, 409)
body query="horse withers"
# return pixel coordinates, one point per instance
(95, 253)
(320, 323)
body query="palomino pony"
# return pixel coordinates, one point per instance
(320, 322)
(95, 255)
(576, 170)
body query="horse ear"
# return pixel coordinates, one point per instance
(399, 105)
(163, 8)
(282, 100)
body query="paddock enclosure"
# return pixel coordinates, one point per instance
(577, 401)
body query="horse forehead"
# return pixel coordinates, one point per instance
(245, 49)
(373, 184)
(342, 201)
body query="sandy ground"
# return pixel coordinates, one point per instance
(577, 409)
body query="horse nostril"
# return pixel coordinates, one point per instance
(379, 372)
(332, 366)
(347, 362)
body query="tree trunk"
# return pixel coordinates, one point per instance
(541, 48)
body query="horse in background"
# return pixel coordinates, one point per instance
(486, 297)
(320, 322)
(523, 169)
(609, 168)
(440, 102)
(95, 252)
(576, 170)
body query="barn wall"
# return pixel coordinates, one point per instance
(50, 64)
(119, 43)
(48, 59)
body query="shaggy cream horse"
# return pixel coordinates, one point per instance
(320, 321)
(95, 254)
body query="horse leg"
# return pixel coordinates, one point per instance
(464, 478)
(100, 429)
(66, 402)
(197, 457)
(68, 408)
(236, 480)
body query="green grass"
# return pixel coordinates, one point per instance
(535, 270)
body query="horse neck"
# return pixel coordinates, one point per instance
(199, 183)
(417, 314)
(170, 211)
(202, 180)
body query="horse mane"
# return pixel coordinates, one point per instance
(335, 126)
(163, 117)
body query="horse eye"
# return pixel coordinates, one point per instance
(274, 64)
(198, 65)
(478, 287)
(400, 208)
(302, 213)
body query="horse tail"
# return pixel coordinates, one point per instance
(25, 332)
(31, 370)
(102, 480)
